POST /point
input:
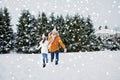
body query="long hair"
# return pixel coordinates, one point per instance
(44, 39)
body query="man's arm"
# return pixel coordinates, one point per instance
(62, 44)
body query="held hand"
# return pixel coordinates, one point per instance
(65, 50)
(37, 47)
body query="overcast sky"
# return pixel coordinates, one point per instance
(102, 12)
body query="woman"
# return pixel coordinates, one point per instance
(44, 49)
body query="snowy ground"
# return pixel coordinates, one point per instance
(72, 66)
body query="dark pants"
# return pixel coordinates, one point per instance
(56, 54)
(45, 58)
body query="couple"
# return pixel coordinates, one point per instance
(52, 44)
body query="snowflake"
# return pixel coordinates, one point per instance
(24, 6)
(33, 12)
(38, 6)
(119, 12)
(11, 72)
(83, 64)
(29, 70)
(91, 58)
(53, 70)
(68, 0)
(119, 68)
(78, 9)
(70, 60)
(83, 11)
(86, 1)
(67, 68)
(107, 73)
(105, 21)
(30, 75)
(13, 78)
(119, 6)
(75, 5)
(86, 8)
(68, 5)
(66, 11)
(109, 11)
(116, 25)
(113, 6)
(55, 6)
(81, 2)
(78, 71)
(18, 66)
(2, 35)
(38, 62)
(74, 65)
(62, 62)
(114, 2)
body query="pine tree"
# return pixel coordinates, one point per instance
(91, 42)
(80, 34)
(44, 23)
(26, 32)
(6, 32)
(51, 23)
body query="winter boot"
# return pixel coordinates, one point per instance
(51, 60)
(56, 62)
(44, 65)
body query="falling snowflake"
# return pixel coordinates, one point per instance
(119, 12)
(53, 71)
(118, 68)
(109, 11)
(29, 70)
(67, 68)
(107, 73)
(114, 2)
(30, 76)
(78, 71)
(13, 78)
(18, 66)
(119, 6)
(91, 58)
(83, 64)
(105, 21)
(68, 0)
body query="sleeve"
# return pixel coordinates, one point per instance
(61, 43)
(40, 44)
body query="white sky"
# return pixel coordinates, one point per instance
(102, 12)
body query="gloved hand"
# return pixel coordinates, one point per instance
(65, 50)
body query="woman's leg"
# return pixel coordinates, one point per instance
(43, 56)
(46, 56)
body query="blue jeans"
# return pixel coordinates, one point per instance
(56, 53)
(45, 58)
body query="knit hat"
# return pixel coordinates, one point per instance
(54, 30)
(43, 35)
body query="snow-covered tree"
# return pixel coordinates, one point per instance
(26, 33)
(80, 34)
(6, 32)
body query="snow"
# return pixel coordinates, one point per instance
(102, 65)
(107, 31)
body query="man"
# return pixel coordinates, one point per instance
(54, 41)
